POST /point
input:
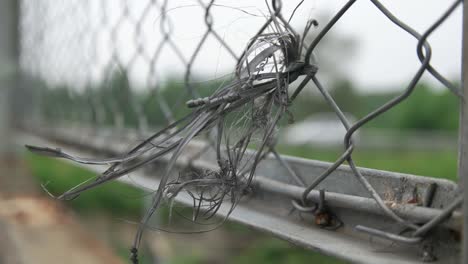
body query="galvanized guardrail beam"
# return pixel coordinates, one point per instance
(268, 207)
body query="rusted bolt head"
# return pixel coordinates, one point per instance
(322, 219)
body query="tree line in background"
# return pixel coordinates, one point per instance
(426, 108)
(115, 101)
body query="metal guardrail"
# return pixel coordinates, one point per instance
(268, 207)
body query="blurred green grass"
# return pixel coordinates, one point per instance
(120, 200)
(438, 164)
(275, 251)
(114, 198)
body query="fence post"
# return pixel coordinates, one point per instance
(463, 136)
(8, 70)
(13, 177)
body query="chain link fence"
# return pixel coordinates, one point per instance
(104, 65)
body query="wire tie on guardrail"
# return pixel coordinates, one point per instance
(324, 217)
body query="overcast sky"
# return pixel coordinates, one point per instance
(384, 57)
(379, 41)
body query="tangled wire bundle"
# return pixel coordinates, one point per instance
(255, 100)
(249, 108)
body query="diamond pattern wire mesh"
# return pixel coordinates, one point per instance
(119, 48)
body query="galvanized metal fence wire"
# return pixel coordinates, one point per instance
(79, 44)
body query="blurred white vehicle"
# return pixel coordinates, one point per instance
(323, 129)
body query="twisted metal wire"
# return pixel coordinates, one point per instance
(50, 38)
